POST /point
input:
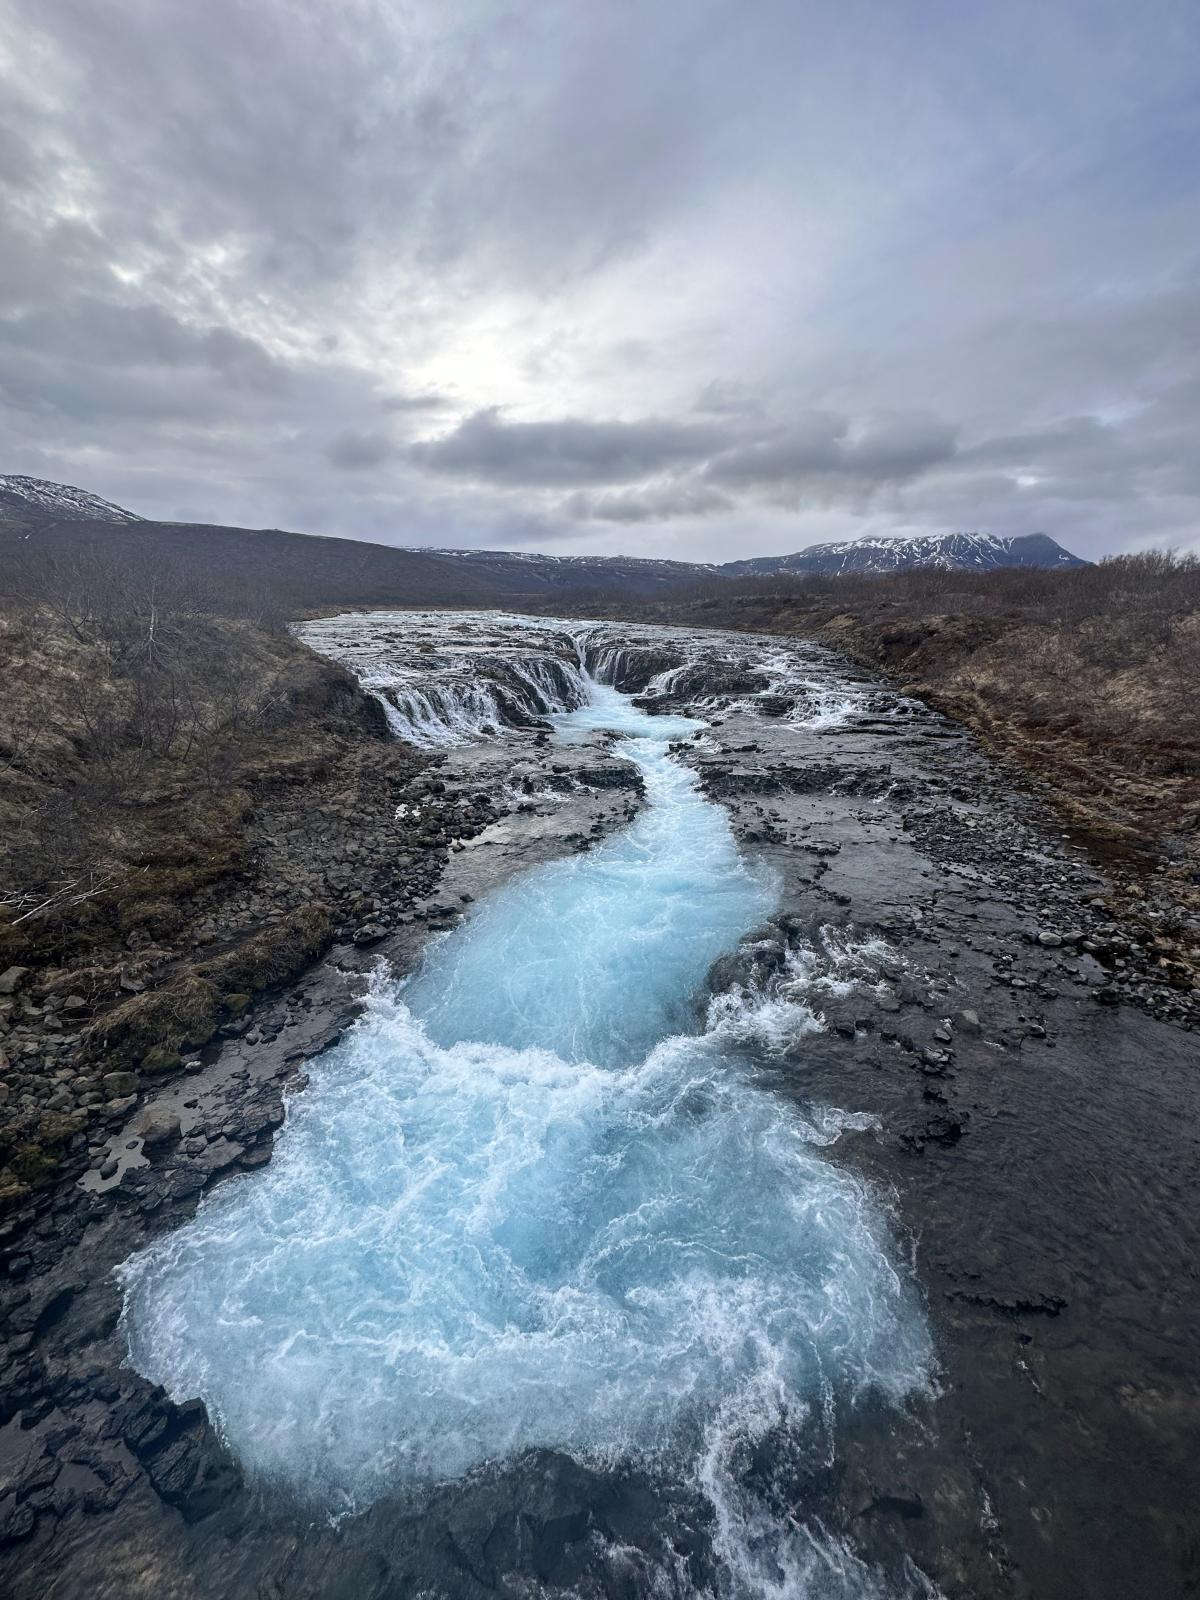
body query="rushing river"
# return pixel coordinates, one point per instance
(534, 1200)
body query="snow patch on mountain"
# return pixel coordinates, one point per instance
(981, 552)
(59, 500)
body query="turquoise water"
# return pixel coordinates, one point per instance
(530, 1202)
(598, 957)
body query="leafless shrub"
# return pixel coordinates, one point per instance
(121, 683)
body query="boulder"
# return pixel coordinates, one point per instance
(160, 1059)
(119, 1084)
(10, 979)
(157, 1126)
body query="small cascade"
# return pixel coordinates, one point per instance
(549, 683)
(826, 704)
(783, 994)
(431, 710)
(437, 714)
(667, 681)
(610, 658)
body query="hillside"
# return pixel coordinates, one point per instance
(191, 807)
(532, 571)
(242, 570)
(270, 571)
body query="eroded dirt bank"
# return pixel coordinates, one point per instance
(1036, 1134)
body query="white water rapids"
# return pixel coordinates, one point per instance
(526, 1204)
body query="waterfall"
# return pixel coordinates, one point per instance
(534, 1201)
(443, 682)
(431, 711)
(439, 703)
(609, 656)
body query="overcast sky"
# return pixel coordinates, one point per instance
(698, 278)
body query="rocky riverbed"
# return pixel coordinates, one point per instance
(945, 966)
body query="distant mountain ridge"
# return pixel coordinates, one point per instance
(60, 524)
(536, 569)
(977, 552)
(971, 552)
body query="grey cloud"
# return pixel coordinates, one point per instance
(1064, 438)
(653, 503)
(668, 469)
(554, 454)
(323, 138)
(899, 445)
(1141, 460)
(241, 361)
(823, 446)
(90, 331)
(18, 167)
(412, 402)
(356, 451)
(812, 444)
(724, 397)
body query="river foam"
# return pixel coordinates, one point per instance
(532, 1200)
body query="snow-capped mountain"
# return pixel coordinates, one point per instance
(37, 500)
(978, 552)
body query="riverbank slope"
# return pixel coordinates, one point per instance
(191, 807)
(1086, 681)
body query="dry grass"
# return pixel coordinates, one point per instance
(182, 1013)
(128, 764)
(273, 955)
(185, 1011)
